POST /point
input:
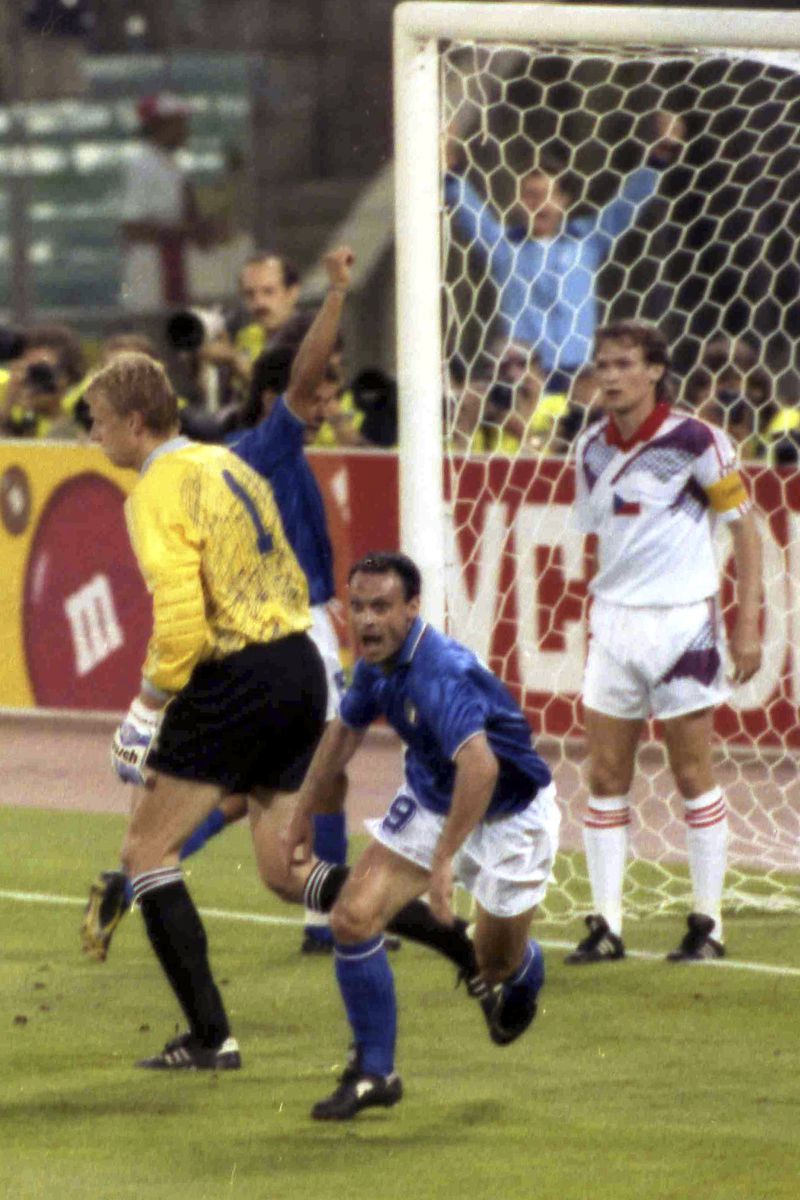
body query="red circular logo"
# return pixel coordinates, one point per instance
(86, 612)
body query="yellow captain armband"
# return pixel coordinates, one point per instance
(727, 493)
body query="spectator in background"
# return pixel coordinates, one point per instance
(159, 211)
(43, 385)
(544, 261)
(730, 389)
(781, 439)
(505, 409)
(462, 404)
(580, 412)
(269, 289)
(375, 397)
(75, 420)
(509, 405)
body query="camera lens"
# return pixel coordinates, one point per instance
(185, 331)
(41, 377)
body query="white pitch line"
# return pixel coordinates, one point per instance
(718, 964)
(224, 914)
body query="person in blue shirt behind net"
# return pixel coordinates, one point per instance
(544, 261)
(274, 447)
(477, 807)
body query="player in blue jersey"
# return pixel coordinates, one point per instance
(274, 448)
(477, 806)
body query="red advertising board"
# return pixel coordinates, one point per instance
(516, 584)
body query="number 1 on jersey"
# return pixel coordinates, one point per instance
(263, 537)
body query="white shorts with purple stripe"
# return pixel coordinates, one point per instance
(654, 661)
(505, 863)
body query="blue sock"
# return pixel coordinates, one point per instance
(526, 983)
(128, 891)
(330, 837)
(367, 986)
(214, 822)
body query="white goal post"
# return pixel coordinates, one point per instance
(419, 30)
(708, 252)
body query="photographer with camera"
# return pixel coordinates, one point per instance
(218, 349)
(42, 392)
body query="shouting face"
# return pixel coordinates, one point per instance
(380, 615)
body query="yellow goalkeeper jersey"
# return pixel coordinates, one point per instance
(210, 544)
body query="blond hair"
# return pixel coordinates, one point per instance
(135, 382)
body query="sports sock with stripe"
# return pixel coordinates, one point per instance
(330, 845)
(367, 986)
(605, 839)
(178, 938)
(414, 921)
(528, 978)
(707, 847)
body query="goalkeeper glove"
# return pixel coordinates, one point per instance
(133, 741)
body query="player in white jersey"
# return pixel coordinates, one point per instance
(652, 481)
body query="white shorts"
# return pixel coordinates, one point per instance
(324, 637)
(505, 863)
(659, 662)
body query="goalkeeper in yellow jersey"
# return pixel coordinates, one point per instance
(233, 692)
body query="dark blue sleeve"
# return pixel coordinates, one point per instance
(277, 439)
(454, 709)
(359, 706)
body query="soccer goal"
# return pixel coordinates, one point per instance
(674, 135)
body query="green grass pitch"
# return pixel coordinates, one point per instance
(639, 1081)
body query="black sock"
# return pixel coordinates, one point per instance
(417, 923)
(323, 886)
(177, 935)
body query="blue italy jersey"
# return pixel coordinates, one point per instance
(275, 450)
(438, 695)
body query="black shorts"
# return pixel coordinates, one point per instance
(250, 720)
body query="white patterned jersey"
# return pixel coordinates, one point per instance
(653, 501)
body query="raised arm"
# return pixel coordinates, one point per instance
(637, 188)
(317, 346)
(471, 213)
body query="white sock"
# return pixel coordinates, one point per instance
(605, 838)
(707, 845)
(317, 919)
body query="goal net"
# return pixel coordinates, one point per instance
(559, 167)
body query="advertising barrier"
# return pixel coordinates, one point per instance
(76, 616)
